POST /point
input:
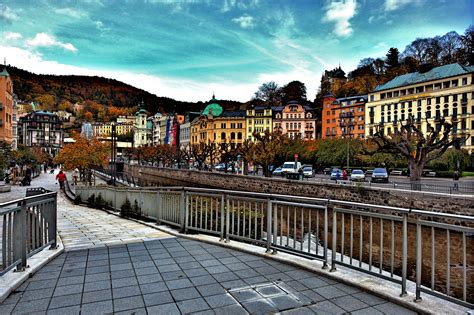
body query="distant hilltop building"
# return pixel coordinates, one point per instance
(86, 130)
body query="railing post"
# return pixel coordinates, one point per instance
(182, 211)
(404, 254)
(334, 240)
(160, 210)
(325, 262)
(418, 260)
(52, 229)
(269, 224)
(223, 223)
(275, 228)
(227, 218)
(186, 209)
(19, 238)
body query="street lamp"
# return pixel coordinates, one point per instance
(112, 157)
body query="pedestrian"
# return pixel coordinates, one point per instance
(45, 167)
(75, 175)
(61, 178)
(344, 174)
(456, 180)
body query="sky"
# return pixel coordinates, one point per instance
(188, 49)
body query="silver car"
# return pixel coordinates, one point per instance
(358, 176)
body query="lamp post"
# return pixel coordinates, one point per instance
(112, 157)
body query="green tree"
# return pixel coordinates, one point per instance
(392, 58)
(294, 91)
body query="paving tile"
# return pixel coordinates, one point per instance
(217, 269)
(126, 291)
(326, 307)
(65, 300)
(31, 306)
(392, 309)
(313, 296)
(173, 275)
(367, 311)
(70, 310)
(149, 278)
(124, 282)
(220, 300)
(234, 309)
(157, 298)
(245, 295)
(153, 287)
(122, 274)
(259, 307)
(31, 295)
(164, 309)
(349, 303)
(315, 282)
(103, 307)
(135, 311)
(42, 284)
(96, 296)
(196, 272)
(369, 298)
(329, 292)
(211, 289)
(73, 272)
(97, 263)
(347, 288)
(7, 308)
(285, 302)
(233, 284)
(228, 276)
(98, 285)
(255, 280)
(68, 289)
(70, 280)
(143, 265)
(185, 294)
(98, 269)
(140, 271)
(167, 268)
(178, 284)
(128, 303)
(298, 311)
(117, 267)
(191, 306)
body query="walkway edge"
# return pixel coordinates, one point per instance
(10, 281)
(363, 281)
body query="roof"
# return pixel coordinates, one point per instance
(235, 113)
(4, 72)
(215, 108)
(437, 73)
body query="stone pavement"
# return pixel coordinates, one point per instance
(129, 268)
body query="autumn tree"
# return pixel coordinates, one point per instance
(246, 152)
(200, 153)
(266, 148)
(294, 91)
(416, 147)
(83, 154)
(5, 155)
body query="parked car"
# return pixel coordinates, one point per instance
(336, 174)
(220, 167)
(380, 175)
(278, 172)
(308, 171)
(358, 176)
(291, 167)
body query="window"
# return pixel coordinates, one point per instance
(222, 135)
(446, 112)
(464, 81)
(438, 100)
(328, 113)
(428, 114)
(464, 110)
(396, 93)
(239, 136)
(455, 111)
(446, 99)
(232, 136)
(328, 121)
(371, 98)
(223, 125)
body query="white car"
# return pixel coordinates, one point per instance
(358, 176)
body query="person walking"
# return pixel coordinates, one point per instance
(75, 175)
(456, 180)
(61, 178)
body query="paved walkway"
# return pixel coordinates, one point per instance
(129, 268)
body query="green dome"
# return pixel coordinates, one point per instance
(214, 108)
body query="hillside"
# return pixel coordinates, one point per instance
(51, 90)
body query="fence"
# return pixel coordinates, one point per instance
(374, 239)
(27, 225)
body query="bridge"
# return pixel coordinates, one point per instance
(215, 251)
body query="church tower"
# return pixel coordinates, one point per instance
(140, 128)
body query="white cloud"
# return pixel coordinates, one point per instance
(70, 12)
(241, 5)
(340, 12)
(391, 5)
(47, 40)
(11, 36)
(245, 21)
(7, 14)
(371, 19)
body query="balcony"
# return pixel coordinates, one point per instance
(346, 115)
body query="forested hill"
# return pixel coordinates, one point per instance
(52, 90)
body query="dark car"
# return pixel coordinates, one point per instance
(379, 175)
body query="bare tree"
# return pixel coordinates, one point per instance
(266, 149)
(270, 93)
(418, 148)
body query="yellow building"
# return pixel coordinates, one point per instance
(445, 91)
(217, 126)
(258, 119)
(105, 129)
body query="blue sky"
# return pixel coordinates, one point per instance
(187, 49)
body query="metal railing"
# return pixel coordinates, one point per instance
(378, 240)
(28, 225)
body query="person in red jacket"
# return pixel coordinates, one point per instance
(61, 178)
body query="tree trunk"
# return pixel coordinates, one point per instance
(246, 168)
(416, 169)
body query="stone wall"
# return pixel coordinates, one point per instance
(152, 176)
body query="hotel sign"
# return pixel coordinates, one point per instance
(414, 97)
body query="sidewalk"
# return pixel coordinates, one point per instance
(113, 265)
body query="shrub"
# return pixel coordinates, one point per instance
(91, 201)
(100, 203)
(77, 200)
(129, 211)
